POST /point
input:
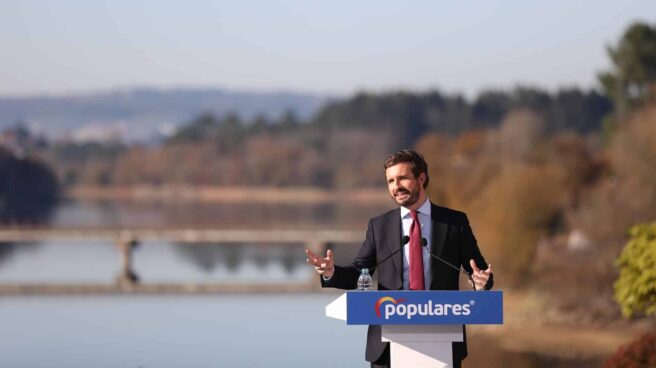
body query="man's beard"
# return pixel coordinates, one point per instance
(409, 200)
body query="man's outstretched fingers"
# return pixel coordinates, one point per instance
(473, 266)
(312, 258)
(321, 265)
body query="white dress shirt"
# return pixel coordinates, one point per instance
(424, 217)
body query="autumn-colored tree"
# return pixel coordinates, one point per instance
(460, 167)
(628, 194)
(518, 208)
(519, 134)
(633, 148)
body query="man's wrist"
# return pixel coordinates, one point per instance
(489, 283)
(326, 278)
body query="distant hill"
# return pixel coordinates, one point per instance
(143, 114)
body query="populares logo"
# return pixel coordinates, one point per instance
(393, 307)
(387, 299)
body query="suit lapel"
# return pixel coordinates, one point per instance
(439, 233)
(394, 241)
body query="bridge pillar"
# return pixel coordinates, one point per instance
(127, 277)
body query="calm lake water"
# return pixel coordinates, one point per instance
(288, 330)
(202, 331)
(175, 331)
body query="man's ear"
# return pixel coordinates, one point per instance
(421, 179)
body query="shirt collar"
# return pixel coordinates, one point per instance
(423, 209)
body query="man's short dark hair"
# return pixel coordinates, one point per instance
(415, 159)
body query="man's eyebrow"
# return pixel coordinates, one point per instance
(397, 177)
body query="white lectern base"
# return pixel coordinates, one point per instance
(421, 345)
(412, 346)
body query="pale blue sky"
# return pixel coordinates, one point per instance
(59, 47)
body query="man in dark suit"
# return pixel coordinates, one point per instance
(448, 236)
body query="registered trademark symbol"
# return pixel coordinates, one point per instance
(471, 302)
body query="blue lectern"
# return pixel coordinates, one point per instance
(419, 325)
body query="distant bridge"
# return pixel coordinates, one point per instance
(126, 239)
(183, 235)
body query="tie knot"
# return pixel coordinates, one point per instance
(413, 214)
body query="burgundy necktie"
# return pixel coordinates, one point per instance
(416, 258)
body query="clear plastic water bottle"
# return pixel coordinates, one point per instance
(365, 283)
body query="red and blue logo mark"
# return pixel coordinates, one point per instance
(386, 299)
(399, 308)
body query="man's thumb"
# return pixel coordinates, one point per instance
(472, 263)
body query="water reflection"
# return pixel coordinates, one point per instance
(157, 262)
(222, 215)
(7, 250)
(232, 263)
(232, 256)
(203, 255)
(60, 262)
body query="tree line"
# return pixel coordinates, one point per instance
(342, 145)
(229, 150)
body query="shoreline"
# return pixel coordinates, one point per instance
(524, 331)
(227, 194)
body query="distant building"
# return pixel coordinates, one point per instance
(20, 141)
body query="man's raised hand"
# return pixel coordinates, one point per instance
(324, 266)
(480, 276)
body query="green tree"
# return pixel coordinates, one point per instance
(197, 130)
(631, 80)
(576, 110)
(490, 107)
(230, 133)
(635, 290)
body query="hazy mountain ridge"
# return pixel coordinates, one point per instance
(143, 114)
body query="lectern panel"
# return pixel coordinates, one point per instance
(424, 307)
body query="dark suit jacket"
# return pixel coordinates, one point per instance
(452, 240)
